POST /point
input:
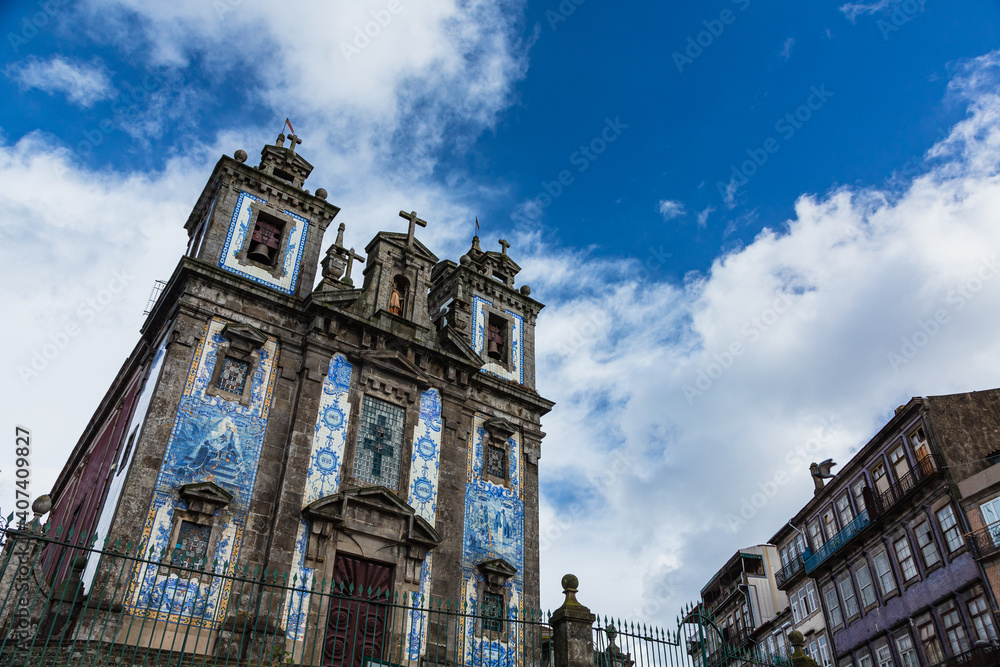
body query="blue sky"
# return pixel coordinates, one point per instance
(720, 162)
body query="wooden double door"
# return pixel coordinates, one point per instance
(356, 629)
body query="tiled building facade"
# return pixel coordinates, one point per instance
(386, 434)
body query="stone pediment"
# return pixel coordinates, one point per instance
(496, 572)
(400, 240)
(396, 362)
(449, 339)
(204, 497)
(374, 511)
(249, 336)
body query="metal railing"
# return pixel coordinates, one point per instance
(880, 504)
(985, 541)
(860, 522)
(982, 655)
(164, 611)
(925, 468)
(794, 567)
(150, 611)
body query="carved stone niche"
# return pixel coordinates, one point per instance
(203, 500)
(371, 523)
(498, 431)
(242, 342)
(495, 573)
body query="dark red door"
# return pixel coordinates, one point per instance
(358, 609)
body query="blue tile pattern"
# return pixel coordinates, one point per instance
(494, 528)
(214, 440)
(239, 226)
(322, 479)
(516, 338)
(422, 497)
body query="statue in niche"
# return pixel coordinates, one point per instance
(397, 299)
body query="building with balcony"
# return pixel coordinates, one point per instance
(805, 612)
(885, 552)
(741, 597)
(980, 500)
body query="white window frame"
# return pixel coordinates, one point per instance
(866, 591)
(884, 576)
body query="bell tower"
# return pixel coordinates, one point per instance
(260, 223)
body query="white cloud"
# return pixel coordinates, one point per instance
(703, 215)
(852, 10)
(671, 209)
(819, 307)
(656, 476)
(786, 49)
(81, 83)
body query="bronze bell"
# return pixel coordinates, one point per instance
(493, 349)
(260, 253)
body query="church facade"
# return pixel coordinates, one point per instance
(383, 435)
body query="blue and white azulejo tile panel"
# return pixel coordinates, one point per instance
(322, 479)
(515, 336)
(422, 497)
(425, 461)
(212, 440)
(494, 528)
(240, 226)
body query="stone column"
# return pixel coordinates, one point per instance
(572, 629)
(799, 659)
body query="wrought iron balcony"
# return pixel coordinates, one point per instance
(837, 541)
(884, 501)
(986, 541)
(797, 565)
(878, 506)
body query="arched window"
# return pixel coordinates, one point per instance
(400, 293)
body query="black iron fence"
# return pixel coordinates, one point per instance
(169, 611)
(138, 611)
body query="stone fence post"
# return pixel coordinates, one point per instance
(572, 629)
(799, 659)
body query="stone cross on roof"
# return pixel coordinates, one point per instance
(414, 221)
(351, 256)
(293, 141)
(504, 245)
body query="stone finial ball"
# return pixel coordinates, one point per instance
(795, 637)
(465, 260)
(321, 193)
(42, 504)
(240, 155)
(525, 290)
(570, 582)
